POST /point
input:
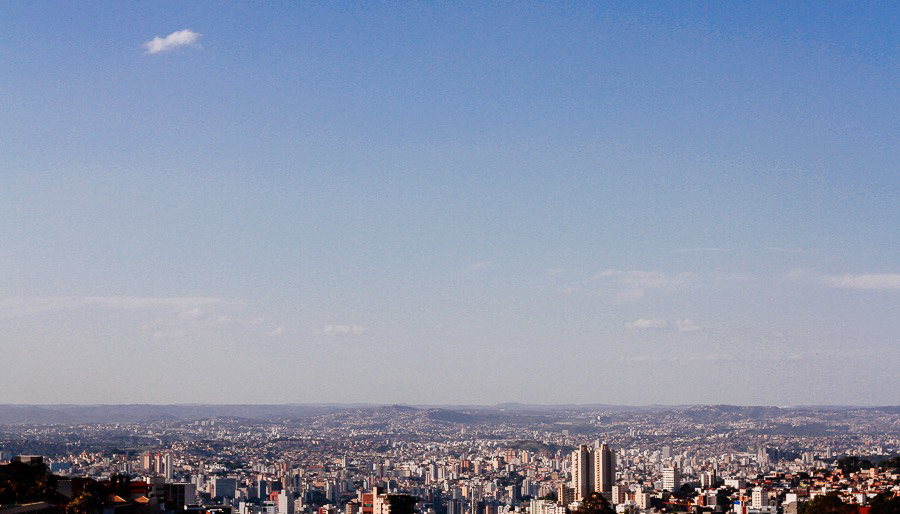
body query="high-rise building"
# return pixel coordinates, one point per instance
(262, 488)
(671, 478)
(760, 498)
(285, 503)
(593, 469)
(331, 491)
(512, 492)
(564, 494)
(643, 500)
(666, 452)
(147, 461)
(223, 487)
(582, 472)
(604, 469)
(179, 495)
(618, 494)
(708, 479)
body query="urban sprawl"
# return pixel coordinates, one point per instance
(478, 460)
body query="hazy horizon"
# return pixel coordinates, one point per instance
(442, 204)
(447, 405)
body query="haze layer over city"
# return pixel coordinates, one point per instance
(445, 204)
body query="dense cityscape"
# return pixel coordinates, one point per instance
(298, 459)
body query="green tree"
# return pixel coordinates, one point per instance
(684, 492)
(892, 463)
(830, 503)
(595, 503)
(24, 483)
(92, 499)
(85, 503)
(852, 464)
(402, 503)
(884, 503)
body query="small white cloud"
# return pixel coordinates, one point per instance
(867, 281)
(201, 317)
(195, 322)
(681, 325)
(687, 325)
(633, 285)
(172, 41)
(342, 330)
(709, 249)
(279, 331)
(647, 324)
(191, 314)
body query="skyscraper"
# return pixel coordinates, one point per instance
(147, 462)
(593, 469)
(170, 466)
(671, 478)
(604, 470)
(582, 472)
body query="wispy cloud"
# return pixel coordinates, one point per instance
(277, 332)
(866, 281)
(200, 315)
(162, 317)
(172, 41)
(647, 324)
(709, 357)
(681, 325)
(16, 307)
(687, 325)
(633, 285)
(342, 330)
(193, 321)
(708, 249)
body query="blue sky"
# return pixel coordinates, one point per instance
(450, 203)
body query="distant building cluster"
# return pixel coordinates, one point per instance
(368, 466)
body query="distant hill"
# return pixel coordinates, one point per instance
(465, 415)
(33, 414)
(449, 416)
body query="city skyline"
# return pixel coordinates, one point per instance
(478, 461)
(450, 204)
